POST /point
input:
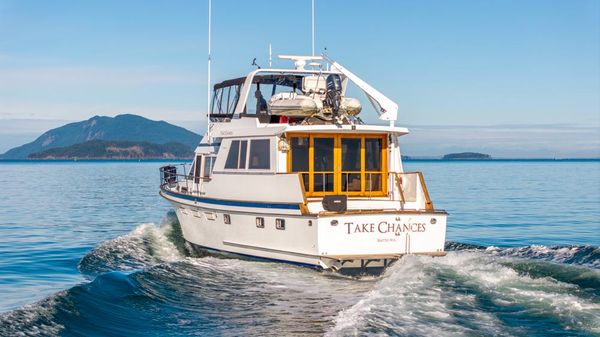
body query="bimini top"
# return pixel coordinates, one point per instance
(298, 96)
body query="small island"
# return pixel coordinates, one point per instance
(467, 156)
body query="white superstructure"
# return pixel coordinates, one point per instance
(291, 173)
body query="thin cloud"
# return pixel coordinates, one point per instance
(523, 141)
(81, 111)
(93, 76)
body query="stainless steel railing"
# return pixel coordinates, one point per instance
(406, 187)
(170, 178)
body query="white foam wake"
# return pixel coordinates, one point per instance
(588, 256)
(463, 294)
(146, 245)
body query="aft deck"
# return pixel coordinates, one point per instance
(406, 192)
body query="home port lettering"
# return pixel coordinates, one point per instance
(383, 227)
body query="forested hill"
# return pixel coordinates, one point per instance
(127, 127)
(102, 149)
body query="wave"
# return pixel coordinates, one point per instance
(148, 282)
(473, 293)
(146, 245)
(206, 296)
(584, 255)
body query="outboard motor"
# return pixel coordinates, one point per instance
(333, 97)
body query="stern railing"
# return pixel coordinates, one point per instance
(408, 188)
(170, 178)
(411, 188)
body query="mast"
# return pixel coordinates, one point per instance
(270, 57)
(208, 78)
(313, 27)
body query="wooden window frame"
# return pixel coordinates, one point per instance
(337, 164)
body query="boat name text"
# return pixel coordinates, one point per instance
(385, 227)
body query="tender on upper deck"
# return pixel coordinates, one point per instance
(297, 96)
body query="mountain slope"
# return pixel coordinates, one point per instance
(103, 149)
(120, 128)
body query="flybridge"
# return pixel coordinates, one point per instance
(298, 96)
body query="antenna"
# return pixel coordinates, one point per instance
(208, 79)
(255, 64)
(313, 27)
(270, 57)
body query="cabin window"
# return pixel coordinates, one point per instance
(233, 155)
(339, 164)
(236, 158)
(299, 161)
(224, 100)
(197, 169)
(208, 166)
(351, 165)
(260, 154)
(243, 149)
(373, 164)
(323, 164)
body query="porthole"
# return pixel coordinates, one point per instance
(280, 224)
(260, 222)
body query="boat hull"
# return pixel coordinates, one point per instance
(336, 241)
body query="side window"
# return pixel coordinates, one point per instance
(236, 158)
(234, 154)
(208, 166)
(242, 160)
(260, 154)
(197, 168)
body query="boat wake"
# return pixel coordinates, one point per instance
(146, 245)
(147, 283)
(584, 255)
(477, 293)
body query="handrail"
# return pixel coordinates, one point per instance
(428, 203)
(421, 181)
(400, 190)
(169, 177)
(182, 182)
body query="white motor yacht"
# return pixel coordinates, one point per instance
(288, 171)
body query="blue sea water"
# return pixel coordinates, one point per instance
(90, 249)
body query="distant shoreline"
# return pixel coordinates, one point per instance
(100, 160)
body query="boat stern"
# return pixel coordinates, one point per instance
(375, 239)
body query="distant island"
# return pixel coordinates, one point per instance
(121, 137)
(102, 149)
(467, 156)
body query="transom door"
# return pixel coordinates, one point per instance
(340, 164)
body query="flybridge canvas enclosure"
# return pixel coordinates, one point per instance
(315, 95)
(281, 77)
(225, 98)
(239, 93)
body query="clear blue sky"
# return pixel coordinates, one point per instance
(444, 62)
